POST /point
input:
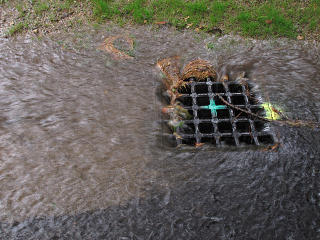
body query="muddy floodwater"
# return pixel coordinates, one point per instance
(82, 154)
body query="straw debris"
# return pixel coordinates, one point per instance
(174, 81)
(199, 69)
(108, 45)
(170, 67)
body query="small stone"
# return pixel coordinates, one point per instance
(300, 37)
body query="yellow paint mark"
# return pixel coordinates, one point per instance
(272, 112)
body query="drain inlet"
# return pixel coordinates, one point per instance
(213, 122)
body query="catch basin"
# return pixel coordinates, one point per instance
(215, 122)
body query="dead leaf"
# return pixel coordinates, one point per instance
(300, 37)
(225, 78)
(274, 147)
(177, 135)
(268, 21)
(145, 21)
(197, 30)
(166, 110)
(161, 22)
(199, 145)
(189, 25)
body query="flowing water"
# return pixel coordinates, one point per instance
(82, 157)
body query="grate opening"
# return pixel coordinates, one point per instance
(203, 101)
(218, 101)
(203, 88)
(238, 100)
(218, 88)
(243, 127)
(189, 141)
(266, 139)
(188, 128)
(239, 114)
(227, 140)
(185, 89)
(247, 140)
(235, 88)
(259, 125)
(206, 128)
(204, 114)
(210, 140)
(186, 100)
(223, 114)
(225, 127)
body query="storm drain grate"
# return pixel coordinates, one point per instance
(212, 121)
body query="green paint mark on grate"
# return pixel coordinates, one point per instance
(213, 107)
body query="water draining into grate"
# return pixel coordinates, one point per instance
(212, 121)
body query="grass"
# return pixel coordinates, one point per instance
(41, 6)
(254, 18)
(260, 19)
(44, 16)
(265, 21)
(19, 27)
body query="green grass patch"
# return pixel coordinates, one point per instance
(20, 8)
(104, 9)
(256, 18)
(263, 22)
(19, 27)
(311, 16)
(262, 19)
(218, 10)
(41, 6)
(139, 11)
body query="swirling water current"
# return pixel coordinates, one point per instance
(82, 157)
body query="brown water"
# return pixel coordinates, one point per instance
(82, 157)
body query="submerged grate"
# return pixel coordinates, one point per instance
(214, 122)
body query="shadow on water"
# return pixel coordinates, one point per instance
(81, 159)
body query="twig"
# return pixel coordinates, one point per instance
(242, 110)
(291, 122)
(236, 117)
